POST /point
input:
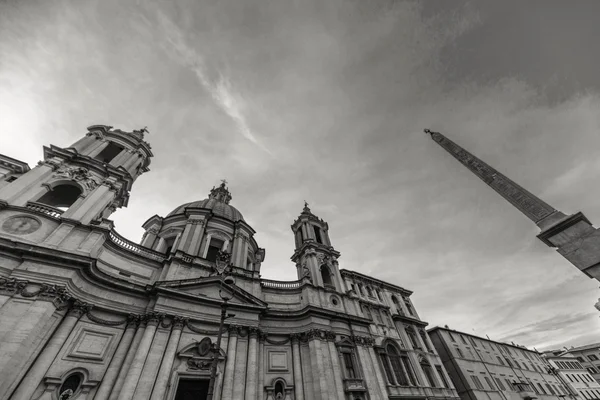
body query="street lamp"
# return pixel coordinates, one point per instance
(223, 268)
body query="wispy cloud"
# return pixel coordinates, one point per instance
(221, 89)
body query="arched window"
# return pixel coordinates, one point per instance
(70, 386)
(326, 276)
(369, 291)
(61, 196)
(397, 366)
(214, 247)
(279, 391)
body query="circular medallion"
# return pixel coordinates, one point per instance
(21, 225)
(204, 346)
(334, 300)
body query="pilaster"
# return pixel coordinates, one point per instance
(252, 368)
(298, 386)
(230, 364)
(36, 373)
(160, 387)
(131, 352)
(110, 376)
(135, 369)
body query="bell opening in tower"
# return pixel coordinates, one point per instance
(192, 389)
(61, 196)
(318, 235)
(109, 153)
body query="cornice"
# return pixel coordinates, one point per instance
(410, 320)
(378, 282)
(313, 310)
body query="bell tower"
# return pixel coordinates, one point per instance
(86, 181)
(314, 256)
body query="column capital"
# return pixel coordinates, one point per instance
(179, 322)
(79, 308)
(254, 332)
(153, 318)
(295, 337)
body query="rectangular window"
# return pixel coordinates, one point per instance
(500, 385)
(440, 372)
(477, 382)
(592, 357)
(349, 364)
(408, 306)
(386, 366)
(464, 340)
(429, 375)
(411, 375)
(500, 360)
(452, 337)
(413, 339)
(542, 391)
(460, 354)
(489, 382)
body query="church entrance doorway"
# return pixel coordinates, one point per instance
(192, 389)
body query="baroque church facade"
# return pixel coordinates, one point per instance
(87, 314)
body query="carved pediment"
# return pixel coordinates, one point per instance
(207, 289)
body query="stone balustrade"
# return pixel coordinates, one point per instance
(267, 283)
(134, 247)
(44, 209)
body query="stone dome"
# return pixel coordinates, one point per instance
(217, 202)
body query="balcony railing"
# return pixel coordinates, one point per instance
(266, 283)
(44, 209)
(134, 247)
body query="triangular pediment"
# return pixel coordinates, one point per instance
(207, 289)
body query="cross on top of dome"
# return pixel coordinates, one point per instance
(220, 193)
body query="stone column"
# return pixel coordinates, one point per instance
(84, 142)
(120, 158)
(35, 375)
(251, 367)
(298, 387)
(152, 364)
(381, 381)
(316, 357)
(150, 237)
(162, 380)
(238, 247)
(368, 370)
(115, 364)
(230, 364)
(135, 369)
(261, 366)
(240, 373)
(30, 180)
(116, 390)
(97, 147)
(337, 372)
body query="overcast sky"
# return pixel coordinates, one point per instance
(326, 101)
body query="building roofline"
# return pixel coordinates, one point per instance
(582, 348)
(484, 339)
(383, 283)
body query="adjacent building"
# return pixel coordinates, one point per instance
(588, 356)
(574, 376)
(86, 314)
(483, 369)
